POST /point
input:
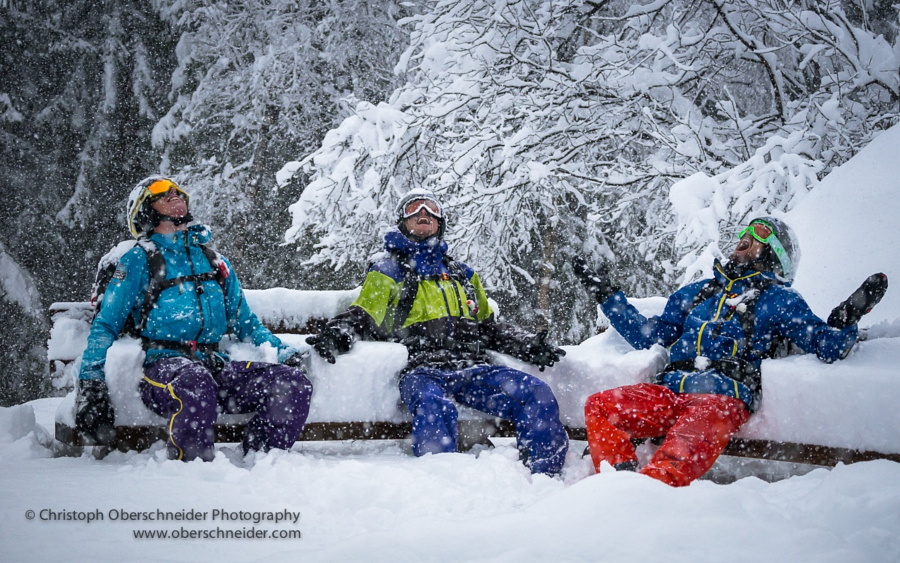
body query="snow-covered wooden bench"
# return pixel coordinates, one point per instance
(811, 413)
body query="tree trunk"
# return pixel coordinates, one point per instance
(544, 317)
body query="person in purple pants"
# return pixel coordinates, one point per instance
(181, 298)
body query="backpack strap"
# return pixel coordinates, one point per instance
(158, 282)
(746, 309)
(407, 296)
(411, 288)
(217, 263)
(707, 291)
(458, 274)
(156, 266)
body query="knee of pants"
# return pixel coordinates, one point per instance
(416, 388)
(433, 408)
(542, 395)
(295, 384)
(598, 403)
(198, 393)
(289, 396)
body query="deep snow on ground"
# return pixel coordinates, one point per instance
(373, 501)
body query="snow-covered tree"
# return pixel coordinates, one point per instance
(256, 83)
(83, 82)
(22, 341)
(557, 128)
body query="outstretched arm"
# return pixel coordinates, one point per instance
(119, 300)
(369, 317)
(94, 413)
(243, 322)
(798, 323)
(642, 332)
(637, 329)
(508, 339)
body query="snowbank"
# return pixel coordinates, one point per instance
(293, 308)
(848, 229)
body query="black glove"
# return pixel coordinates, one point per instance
(95, 418)
(536, 350)
(297, 360)
(597, 282)
(860, 302)
(329, 340)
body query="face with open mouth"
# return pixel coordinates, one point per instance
(422, 219)
(171, 204)
(747, 250)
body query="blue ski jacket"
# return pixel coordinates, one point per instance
(182, 312)
(712, 329)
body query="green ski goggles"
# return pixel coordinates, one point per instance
(765, 233)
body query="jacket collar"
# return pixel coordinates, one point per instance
(749, 275)
(195, 234)
(426, 257)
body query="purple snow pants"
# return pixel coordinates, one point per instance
(190, 396)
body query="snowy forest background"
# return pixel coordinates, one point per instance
(549, 128)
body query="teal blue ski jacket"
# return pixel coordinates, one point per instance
(201, 312)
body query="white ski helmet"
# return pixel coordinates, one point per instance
(783, 250)
(141, 217)
(424, 195)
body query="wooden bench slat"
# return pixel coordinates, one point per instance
(472, 432)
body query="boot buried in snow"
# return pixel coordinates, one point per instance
(860, 302)
(95, 418)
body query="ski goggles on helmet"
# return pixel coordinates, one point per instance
(764, 232)
(431, 207)
(760, 230)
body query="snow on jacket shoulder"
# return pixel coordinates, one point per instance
(182, 313)
(713, 329)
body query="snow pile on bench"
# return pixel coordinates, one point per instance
(849, 404)
(285, 309)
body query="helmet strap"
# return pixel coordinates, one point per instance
(156, 218)
(186, 218)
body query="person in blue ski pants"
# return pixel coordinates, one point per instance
(436, 306)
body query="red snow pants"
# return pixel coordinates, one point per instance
(697, 428)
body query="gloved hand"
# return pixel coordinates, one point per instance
(95, 418)
(597, 282)
(297, 360)
(329, 340)
(536, 350)
(860, 302)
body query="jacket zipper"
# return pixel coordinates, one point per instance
(447, 305)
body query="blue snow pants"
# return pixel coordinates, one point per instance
(497, 390)
(189, 396)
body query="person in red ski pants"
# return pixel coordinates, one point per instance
(717, 332)
(697, 428)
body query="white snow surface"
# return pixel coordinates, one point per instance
(848, 229)
(294, 307)
(374, 501)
